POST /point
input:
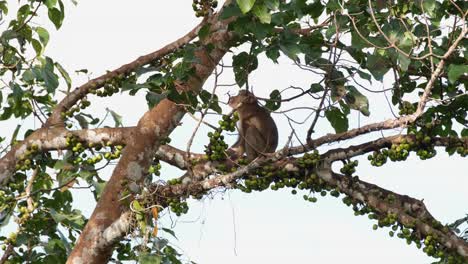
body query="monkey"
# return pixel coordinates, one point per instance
(258, 133)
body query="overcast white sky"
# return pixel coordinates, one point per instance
(267, 227)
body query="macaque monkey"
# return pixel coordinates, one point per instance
(258, 133)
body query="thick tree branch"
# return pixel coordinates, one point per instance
(387, 142)
(391, 123)
(410, 212)
(54, 123)
(80, 92)
(56, 139)
(138, 154)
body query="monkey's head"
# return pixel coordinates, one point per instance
(244, 97)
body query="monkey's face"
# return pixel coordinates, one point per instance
(243, 97)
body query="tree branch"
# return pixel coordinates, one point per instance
(138, 154)
(80, 92)
(387, 142)
(410, 212)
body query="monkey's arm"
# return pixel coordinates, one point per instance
(237, 149)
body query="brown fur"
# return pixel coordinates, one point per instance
(258, 133)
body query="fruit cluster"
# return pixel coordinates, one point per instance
(423, 146)
(26, 161)
(155, 168)
(400, 151)
(407, 108)
(309, 160)
(178, 207)
(397, 152)
(406, 231)
(203, 7)
(216, 149)
(271, 177)
(349, 168)
(174, 181)
(378, 158)
(83, 104)
(79, 156)
(462, 151)
(113, 86)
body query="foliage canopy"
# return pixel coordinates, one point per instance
(349, 46)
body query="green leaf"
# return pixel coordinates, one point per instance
(56, 17)
(54, 247)
(365, 75)
(245, 5)
(272, 4)
(377, 65)
(289, 45)
(275, 101)
(152, 98)
(230, 11)
(147, 258)
(43, 35)
(204, 32)
(464, 132)
(273, 53)
(338, 91)
(37, 47)
(337, 119)
(316, 9)
(429, 7)
(64, 74)
(137, 206)
(23, 12)
(243, 64)
(4, 7)
(315, 88)
(357, 100)
(49, 77)
(169, 231)
(357, 42)
(98, 188)
(15, 134)
(50, 3)
(455, 71)
(333, 5)
(404, 62)
(84, 71)
(261, 11)
(65, 242)
(82, 121)
(291, 50)
(211, 100)
(28, 77)
(73, 219)
(117, 118)
(66, 177)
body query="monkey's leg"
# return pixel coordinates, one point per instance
(255, 143)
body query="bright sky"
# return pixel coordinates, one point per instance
(268, 227)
